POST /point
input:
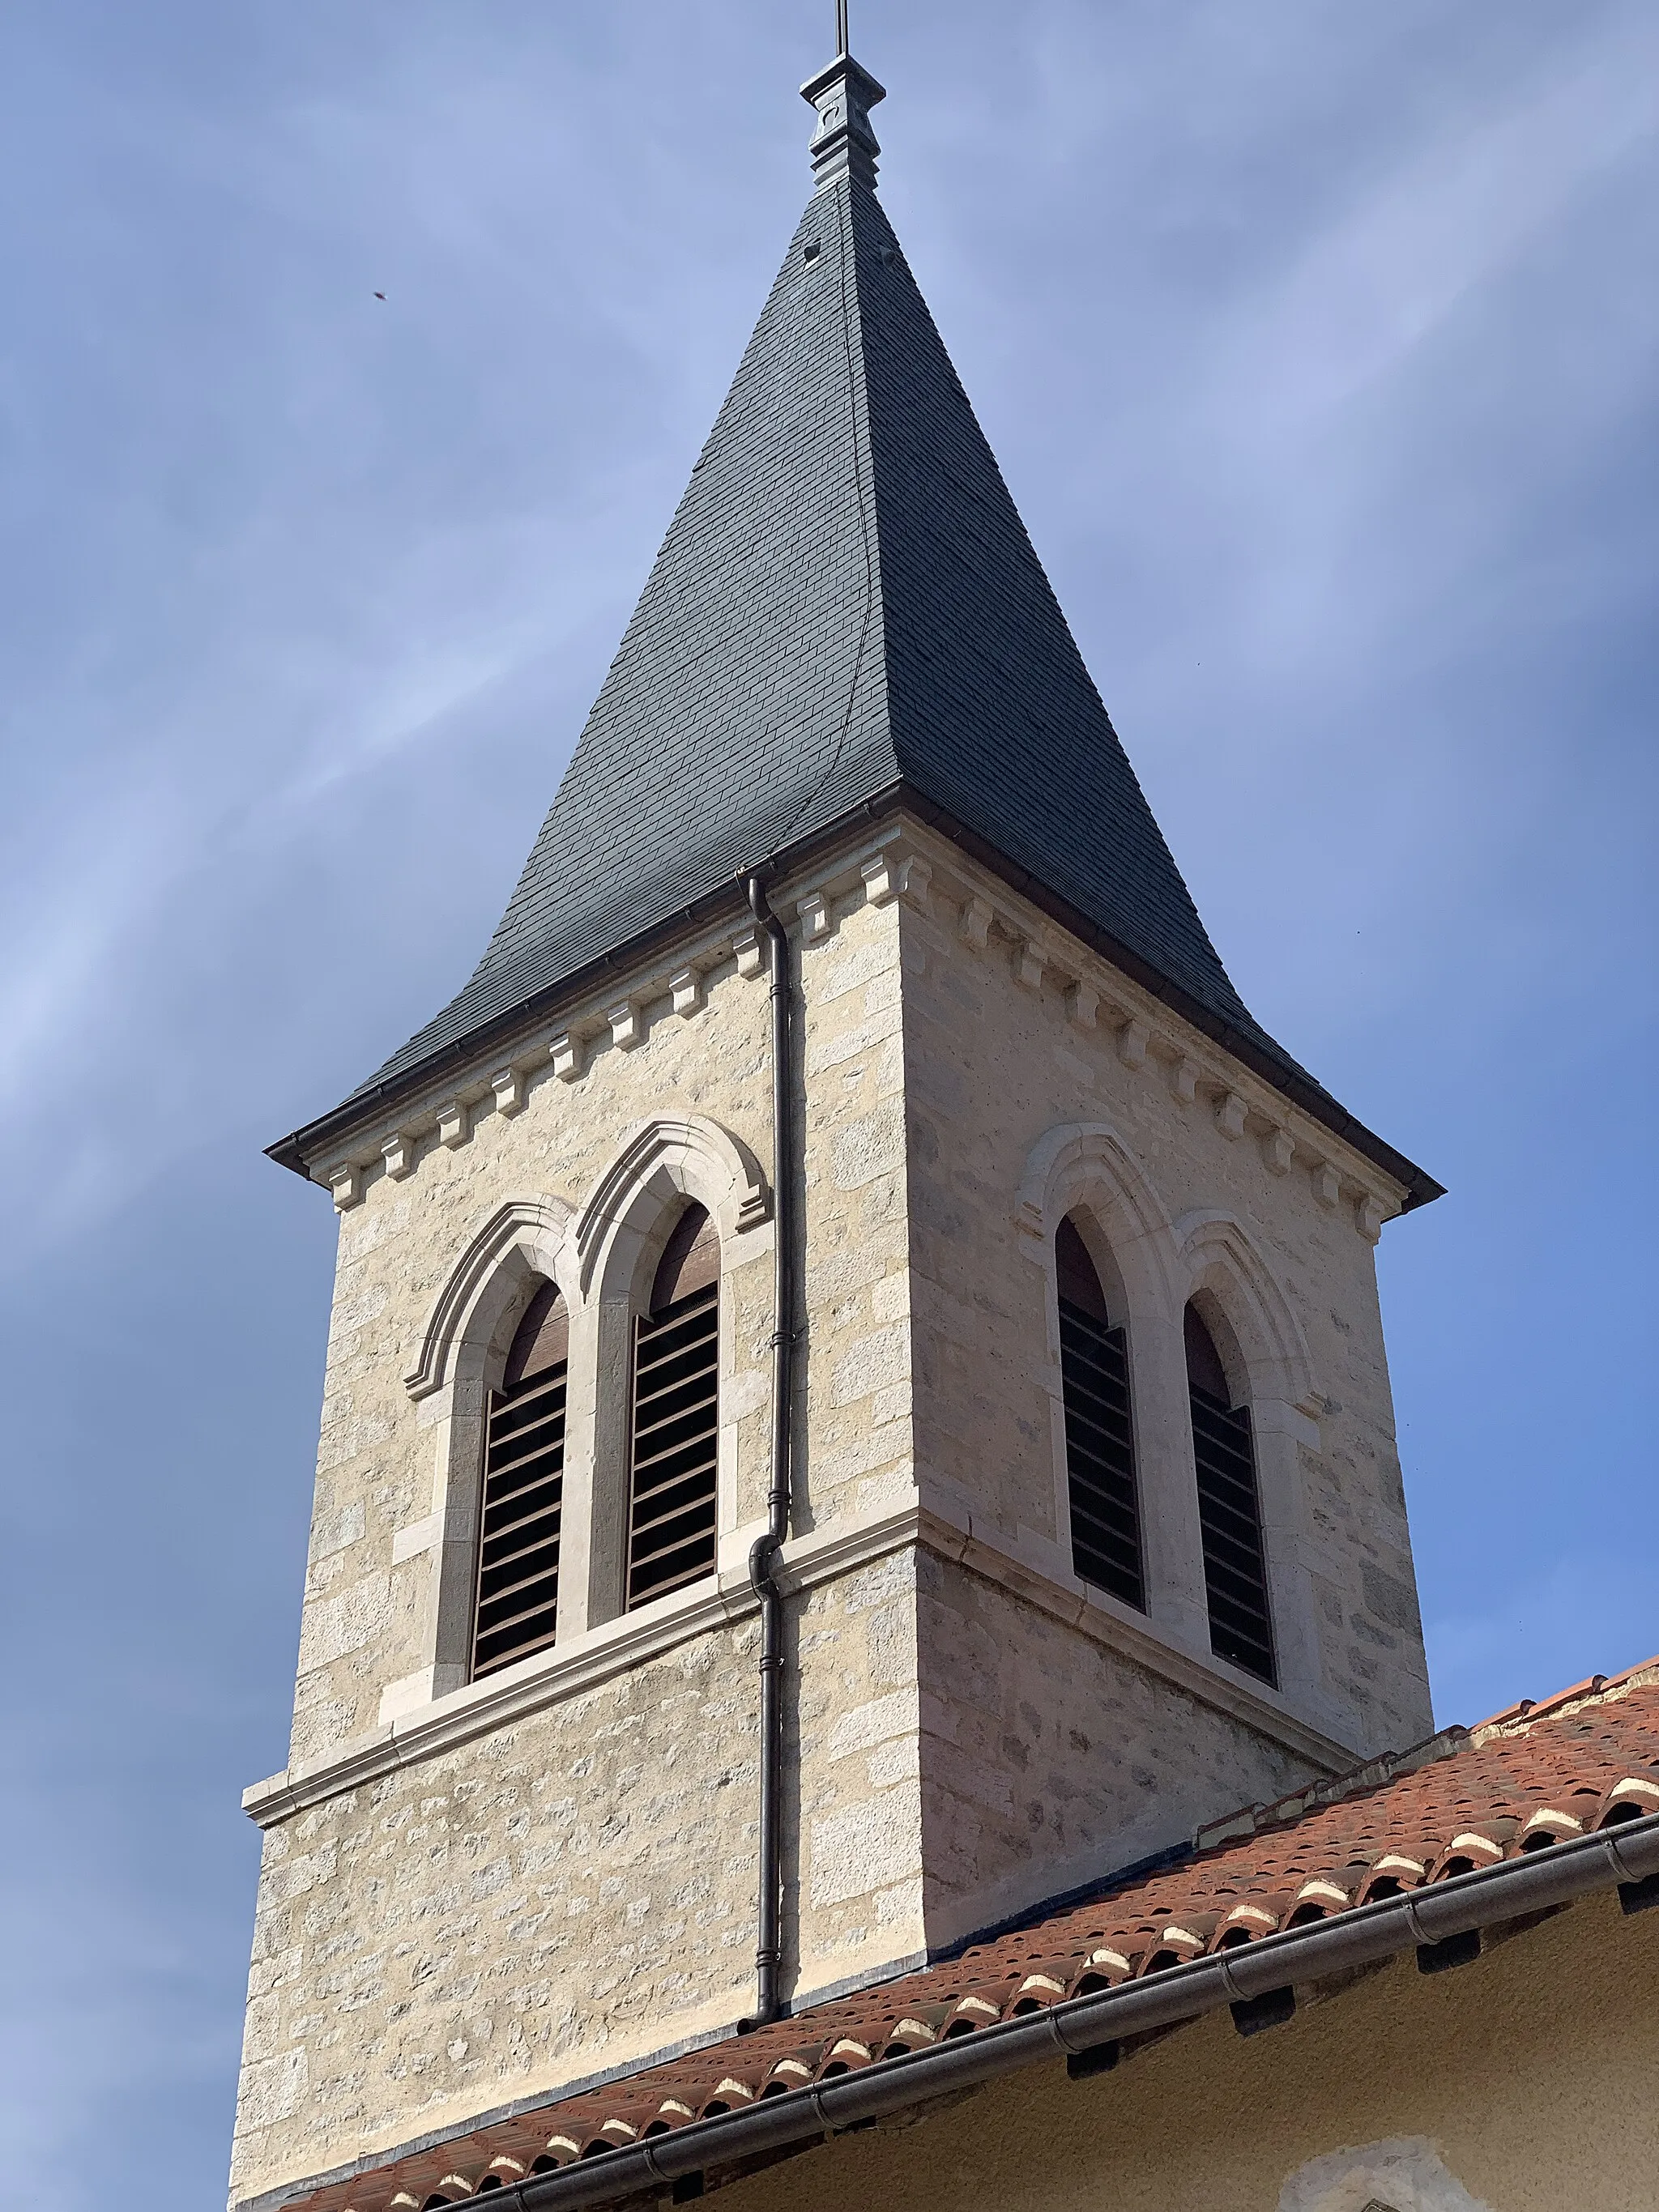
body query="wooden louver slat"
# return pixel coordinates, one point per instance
(1229, 1519)
(516, 1607)
(1100, 1456)
(673, 1506)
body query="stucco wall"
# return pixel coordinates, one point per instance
(1521, 2083)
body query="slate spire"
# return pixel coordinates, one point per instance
(846, 614)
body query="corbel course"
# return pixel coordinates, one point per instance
(1097, 996)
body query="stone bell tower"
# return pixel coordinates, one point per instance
(1074, 1364)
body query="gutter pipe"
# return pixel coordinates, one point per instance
(763, 1553)
(1627, 1854)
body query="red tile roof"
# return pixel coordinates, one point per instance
(1528, 1777)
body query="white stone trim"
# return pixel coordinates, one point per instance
(508, 1086)
(1217, 1252)
(896, 873)
(698, 1157)
(1147, 1031)
(814, 913)
(900, 860)
(398, 1153)
(1082, 1006)
(826, 1555)
(544, 1220)
(1029, 960)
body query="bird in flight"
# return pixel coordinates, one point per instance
(380, 295)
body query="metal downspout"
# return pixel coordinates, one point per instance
(763, 1553)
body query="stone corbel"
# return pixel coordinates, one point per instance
(751, 954)
(1132, 1040)
(1183, 1078)
(896, 874)
(976, 922)
(1083, 1005)
(627, 1020)
(565, 1054)
(508, 1087)
(346, 1182)
(1230, 1114)
(398, 1153)
(454, 1123)
(1369, 1215)
(1029, 960)
(1326, 1184)
(686, 987)
(1278, 1150)
(814, 913)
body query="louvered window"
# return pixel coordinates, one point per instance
(1100, 1445)
(518, 1578)
(672, 1521)
(1229, 1511)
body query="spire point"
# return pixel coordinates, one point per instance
(843, 145)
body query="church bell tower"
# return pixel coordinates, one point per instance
(856, 1401)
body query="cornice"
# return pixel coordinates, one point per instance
(999, 907)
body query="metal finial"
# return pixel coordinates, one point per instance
(841, 47)
(843, 144)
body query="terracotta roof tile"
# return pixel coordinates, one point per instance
(1531, 1777)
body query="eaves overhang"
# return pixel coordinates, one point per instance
(1086, 2030)
(325, 1137)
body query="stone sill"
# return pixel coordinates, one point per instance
(825, 1555)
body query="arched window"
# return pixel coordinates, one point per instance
(671, 1503)
(518, 1584)
(1229, 1511)
(1100, 1445)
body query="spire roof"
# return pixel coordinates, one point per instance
(846, 614)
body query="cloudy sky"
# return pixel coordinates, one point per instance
(1318, 345)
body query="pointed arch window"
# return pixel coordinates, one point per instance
(1100, 1445)
(515, 1606)
(1229, 1511)
(672, 1505)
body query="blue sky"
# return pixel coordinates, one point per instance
(1319, 347)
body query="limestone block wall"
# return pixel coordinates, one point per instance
(477, 1892)
(574, 1890)
(1037, 1082)
(1050, 1759)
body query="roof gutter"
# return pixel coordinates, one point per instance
(1627, 1855)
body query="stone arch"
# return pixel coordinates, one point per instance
(626, 1216)
(1259, 1332)
(1086, 1168)
(524, 1238)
